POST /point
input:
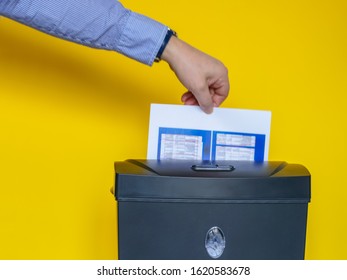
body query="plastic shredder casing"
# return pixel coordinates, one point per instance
(168, 210)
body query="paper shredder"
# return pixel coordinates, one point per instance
(211, 210)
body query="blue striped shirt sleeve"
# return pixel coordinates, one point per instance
(103, 24)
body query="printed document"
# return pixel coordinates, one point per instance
(186, 132)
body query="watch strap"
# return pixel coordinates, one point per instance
(166, 40)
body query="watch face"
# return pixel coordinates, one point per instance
(215, 242)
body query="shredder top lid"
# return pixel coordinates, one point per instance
(221, 181)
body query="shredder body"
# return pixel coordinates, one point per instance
(169, 210)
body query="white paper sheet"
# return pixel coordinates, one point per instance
(185, 132)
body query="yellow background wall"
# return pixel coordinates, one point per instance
(67, 112)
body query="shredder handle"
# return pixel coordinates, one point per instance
(212, 167)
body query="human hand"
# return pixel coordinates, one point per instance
(205, 77)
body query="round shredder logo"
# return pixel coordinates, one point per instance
(215, 242)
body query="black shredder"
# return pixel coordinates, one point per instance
(202, 210)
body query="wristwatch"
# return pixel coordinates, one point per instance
(167, 38)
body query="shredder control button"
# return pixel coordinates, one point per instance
(215, 242)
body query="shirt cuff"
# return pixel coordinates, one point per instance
(141, 38)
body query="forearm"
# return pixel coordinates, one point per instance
(108, 25)
(104, 24)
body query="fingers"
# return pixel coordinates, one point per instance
(202, 99)
(189, 99)
(208, 97)
(218, 100)
(220, 94)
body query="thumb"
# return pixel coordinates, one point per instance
(204, 98)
